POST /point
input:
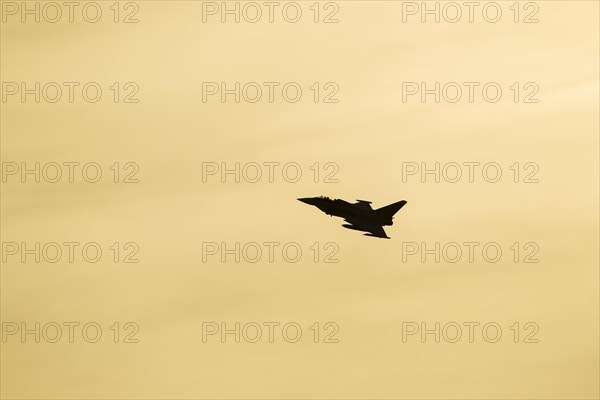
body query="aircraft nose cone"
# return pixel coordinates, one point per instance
(309, 200)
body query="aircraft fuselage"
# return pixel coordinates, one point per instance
(343, 209)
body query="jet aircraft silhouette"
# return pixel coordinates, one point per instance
(360, 215)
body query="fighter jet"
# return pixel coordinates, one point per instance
(360, 215)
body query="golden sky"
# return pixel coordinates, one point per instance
(145, 92)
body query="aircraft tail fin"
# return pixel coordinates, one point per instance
(388, 212)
